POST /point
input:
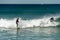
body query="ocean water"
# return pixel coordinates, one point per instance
(34, 21)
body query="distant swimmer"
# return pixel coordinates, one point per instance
(17, 21)
(51, 19)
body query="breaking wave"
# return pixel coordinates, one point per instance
(41, 22)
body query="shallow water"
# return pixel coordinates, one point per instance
(30, 34)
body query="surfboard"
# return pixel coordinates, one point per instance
(18, 28)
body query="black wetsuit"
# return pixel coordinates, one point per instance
(17, 21)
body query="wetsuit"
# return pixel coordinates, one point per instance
(17, 21)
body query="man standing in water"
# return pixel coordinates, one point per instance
(17, 21)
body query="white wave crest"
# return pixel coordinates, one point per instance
(43, 22)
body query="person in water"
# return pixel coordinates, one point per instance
(17, 21)
(51, 19)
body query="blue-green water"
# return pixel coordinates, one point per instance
(26, 11)
(30, 34)
(34, 21)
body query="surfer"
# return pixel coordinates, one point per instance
(51, 19)
(17, 21)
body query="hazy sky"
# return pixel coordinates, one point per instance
(29, 1)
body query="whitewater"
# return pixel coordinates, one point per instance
(40, 22)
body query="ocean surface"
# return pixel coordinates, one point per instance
(34, 22)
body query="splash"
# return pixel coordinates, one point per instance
(41, 22)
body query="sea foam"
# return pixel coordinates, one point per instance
(41, 22)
